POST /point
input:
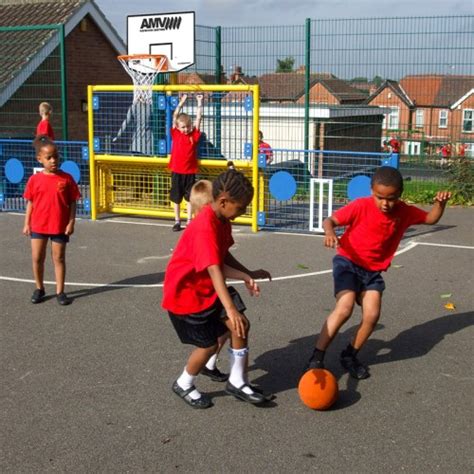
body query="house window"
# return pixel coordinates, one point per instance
(467, 120)
(391, 120)
(419, 118)
(470, 150)
(443, 119)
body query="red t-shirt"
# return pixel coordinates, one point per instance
(372, 237)
(266, 149)
(395, 144)
(45, 128)
(188, 287)
(51, 196)
(184, 151)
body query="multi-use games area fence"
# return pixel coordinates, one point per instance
(331, 92)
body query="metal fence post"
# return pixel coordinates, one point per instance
(218, 100)
(62, 58)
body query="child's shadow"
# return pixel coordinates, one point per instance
(148, 279)
(284, 366)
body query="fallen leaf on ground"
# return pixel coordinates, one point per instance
(303, 267)
(446, 295)
(450, 306)
(397, 266)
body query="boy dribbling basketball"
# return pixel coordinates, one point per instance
(374, 227)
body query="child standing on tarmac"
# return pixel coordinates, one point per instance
(183, 162)
(200, 306)
(50, 214)
(44, 125)
(374, 227)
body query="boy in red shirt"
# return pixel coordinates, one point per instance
(44, 126)
(183, 162)
(200, 306)
(374, 227)
(50, 214)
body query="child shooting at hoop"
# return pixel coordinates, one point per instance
(183, 162)
(200, 306)
(374, 227)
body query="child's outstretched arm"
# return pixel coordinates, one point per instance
(238, 320)
(178, 109)
(197, 122)
(434, 215)
(330, 238)
(260, 274)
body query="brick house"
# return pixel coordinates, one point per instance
(428, 111)
(33, 72)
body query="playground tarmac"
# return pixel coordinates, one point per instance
(87, 387)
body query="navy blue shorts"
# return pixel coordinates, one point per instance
(181, 185)
(58, 238)
(349, 276)
(202, 329)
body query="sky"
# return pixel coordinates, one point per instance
(280, 12)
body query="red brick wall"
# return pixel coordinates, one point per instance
(91, 60)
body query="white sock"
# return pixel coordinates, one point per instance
(238, 368)
(186, 381)
(211, 363)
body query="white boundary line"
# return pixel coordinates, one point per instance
(409, 246)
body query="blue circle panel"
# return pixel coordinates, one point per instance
(71, 168)
(358, 187)
(282, 185)
(14, 170)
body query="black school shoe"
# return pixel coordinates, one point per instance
(177, 227)
(203, 402)
(215, 374)
(63, 300)
(38, 296)
(255, 398)
(356, 369)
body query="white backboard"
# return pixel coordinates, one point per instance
(171, 34)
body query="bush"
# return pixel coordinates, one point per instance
(461, 180)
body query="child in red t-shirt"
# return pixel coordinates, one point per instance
(374, 227)
(44, 126)
(183, 161)
(200, 306)
(265, 148)
(50, 214)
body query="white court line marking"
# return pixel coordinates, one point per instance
(154, 257)
(409, 246)
(452, 246)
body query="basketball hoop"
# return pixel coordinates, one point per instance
(143, 69)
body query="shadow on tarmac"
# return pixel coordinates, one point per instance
(284, 366)
(148, 279)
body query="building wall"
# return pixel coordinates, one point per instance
(457, 122)
(388, 98)
(318, 94)
(91, 60)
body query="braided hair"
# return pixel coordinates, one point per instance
(235, 184)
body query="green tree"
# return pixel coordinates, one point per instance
(377, 80)
(285, 65)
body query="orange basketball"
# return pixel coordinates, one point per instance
(318, 389)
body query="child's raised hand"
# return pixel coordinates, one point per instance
(183, 98)
(261, 274)
(331, 241)
(199, 99)
(442, 197)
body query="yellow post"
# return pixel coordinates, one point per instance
(256, 113)
(92, 177)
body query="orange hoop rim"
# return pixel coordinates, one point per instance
(157, 57)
